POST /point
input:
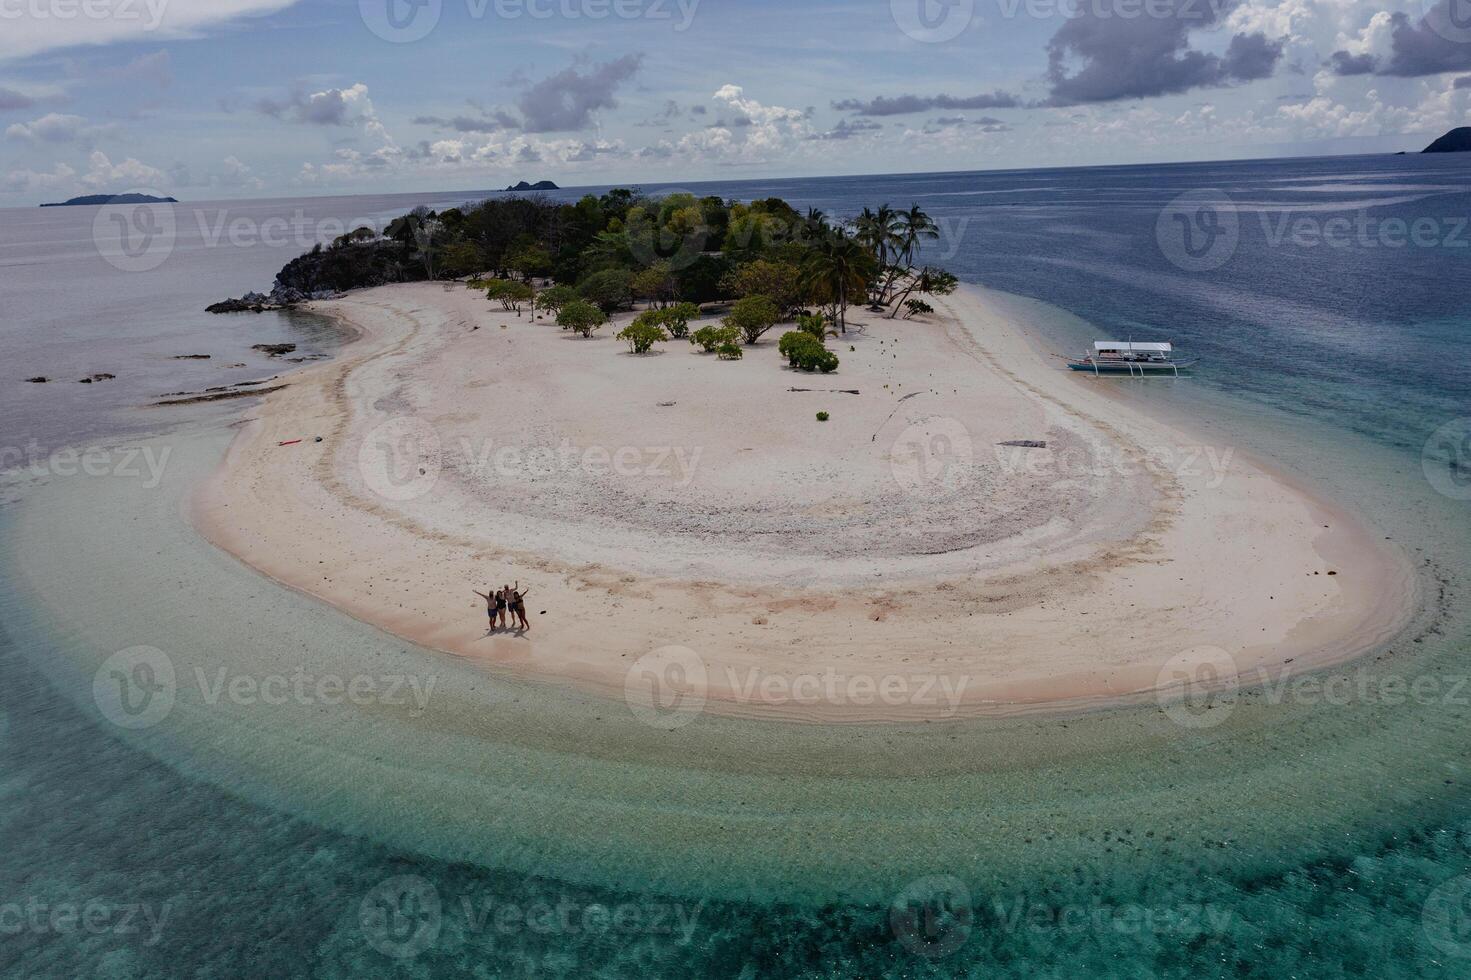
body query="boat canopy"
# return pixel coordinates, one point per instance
(1141, 347)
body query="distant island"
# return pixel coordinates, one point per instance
(1456, 141)
(112, 199)
(540, 185)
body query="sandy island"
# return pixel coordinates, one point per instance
(893, 563)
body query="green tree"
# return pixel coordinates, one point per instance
(656, 284)
(462, 259)
(610, 289)
(677, 318)
(427, 230)
(881, 232)
(779, 280)
(712, 338)
(838, 271)
(934, 282)
(814, 324)
(753, 316)
(581, 317)
(642, 335)
(673, 319)
(553, 298)
(793, 343)
(805, 352)
(510, 293)
(531, 262)
(699, 282)
(915, 227)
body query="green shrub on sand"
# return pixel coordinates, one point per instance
(642, 337)
(581, 317)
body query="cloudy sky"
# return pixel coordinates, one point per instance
(210, 99)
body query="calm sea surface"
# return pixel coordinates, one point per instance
(1329, 300)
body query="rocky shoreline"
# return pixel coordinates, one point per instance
(280, 298)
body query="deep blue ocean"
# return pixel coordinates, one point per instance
(1329, 301)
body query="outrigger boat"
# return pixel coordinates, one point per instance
(1135, 358)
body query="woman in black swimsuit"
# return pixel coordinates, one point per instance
(518, 604)
(502, 600)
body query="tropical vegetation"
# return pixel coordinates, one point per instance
(758, 263)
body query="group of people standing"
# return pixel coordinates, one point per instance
(510, 599)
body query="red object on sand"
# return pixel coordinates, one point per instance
(291, 443)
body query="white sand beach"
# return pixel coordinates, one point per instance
(892, 563)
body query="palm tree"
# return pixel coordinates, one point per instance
(883, 232)
(815, 225)
(915, 226)
(838, 268)
(866, 229)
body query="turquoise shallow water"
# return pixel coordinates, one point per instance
(505, 829)
(1301, 835)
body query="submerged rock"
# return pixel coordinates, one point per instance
(39, 379)
(274, 350)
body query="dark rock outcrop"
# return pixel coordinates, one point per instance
(352, 265)
(324, 273)
(540, 185)
(281, 298)
(1456, 141)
